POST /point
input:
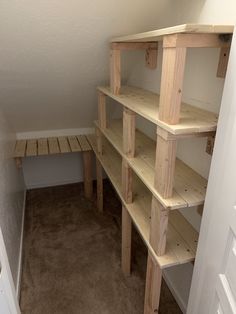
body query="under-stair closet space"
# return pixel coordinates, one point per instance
(114, 120)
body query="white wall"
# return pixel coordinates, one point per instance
(11, 198)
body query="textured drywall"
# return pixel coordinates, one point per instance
(11, 197)
(54, 53)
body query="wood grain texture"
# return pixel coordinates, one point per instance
(115, 71)
(129, 132)
(126, 242)
(127, 182)
(102, 116)
(53, 145)
(31, 148)
(63, 144)
(42, 146)
(74, 144)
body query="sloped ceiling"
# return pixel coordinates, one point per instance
(54, 53)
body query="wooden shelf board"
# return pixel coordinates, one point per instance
(181, 237)
(146, 104)
(158, 35)
(189, 187)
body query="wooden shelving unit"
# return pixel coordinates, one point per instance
(150, 181)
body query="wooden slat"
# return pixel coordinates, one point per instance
(63, 144)
(157, 35)
(74, 144)
(20, 148)
(84, 144)
(192, 120)
(53, 145)
(42, 146)
(31, 148)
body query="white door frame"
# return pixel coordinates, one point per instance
(221, 195)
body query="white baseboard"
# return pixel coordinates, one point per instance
(18, 283)
(179, 288)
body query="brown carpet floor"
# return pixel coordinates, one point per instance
(71, 257)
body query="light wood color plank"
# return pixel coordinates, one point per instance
(223, 62)
(102, 116)
(42, 146)
(53, 145)
(151, 57)
(31, 148)
(126, 241)
(87, 169)
(157, 35)
(196, 41)
(134, 46)
(84, 144)
(20, 149)
(165, 166)
(173, 65)
(99, 140)
(127, 182)
(153, 287)
(193, 121)
(129, 132)
(115, 71)
(189, 187)
(74, 144)
(99, 185)
(181, 237)
(158, 228)
(63, 144)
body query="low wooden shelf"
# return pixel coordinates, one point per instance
(193, 120)
(181, 236)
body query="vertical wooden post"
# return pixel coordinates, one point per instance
(153, 287)
(223, 62)
(126, 182)
(129, 132)
(99, 140)
(126, 241)
(151, 57)
(171, 82)
(158, 228)
(115, 70)
(99, 185)
(102, 118)
(88, 182)
(165, 163)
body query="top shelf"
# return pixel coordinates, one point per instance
(193, 120)
(157, 35)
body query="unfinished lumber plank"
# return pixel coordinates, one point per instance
(99, 185)
(173, 65)
(127, 182)
(84, 144)
(165, 166)
(133, 45)
(158, 227)
(115, 71)
(126, 241)
(53, 145)
(153, 287)
(151, 57)
(74, 144)
(87, 169)
(63, 144)
(223, 62)
(31, 148)
(128, 132)
(42, 146)
(102, 117)
(20, 148)
(99, 140)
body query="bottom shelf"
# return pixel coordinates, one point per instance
(181, 236)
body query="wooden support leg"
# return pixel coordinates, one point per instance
(129, 132)
(99, 140)
(99, 185)
(115, 68)
(88, 182)
(127, 182)
(171, 84)
(158, 228)
(165, 165)
(153, 287)
(223, 62)
(102, 118)
(126, 241)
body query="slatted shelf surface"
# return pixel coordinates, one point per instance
(146, 104)
(181, 236)
(157, 35)
(51, 145)
(189, 187)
